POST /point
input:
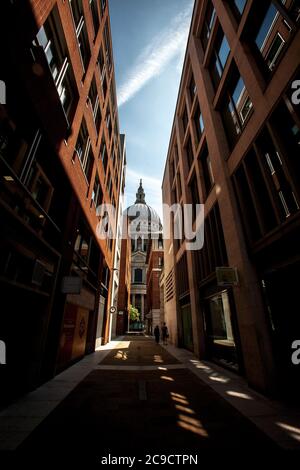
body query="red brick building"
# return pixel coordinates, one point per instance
(154, 261)
(234, 148)
(60, 158)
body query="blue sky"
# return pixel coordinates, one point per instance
(149, 41)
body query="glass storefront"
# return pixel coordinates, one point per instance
(219, 329)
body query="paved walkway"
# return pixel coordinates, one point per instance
(134, 397)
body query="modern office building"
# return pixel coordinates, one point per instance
(234, 148)
(61, 157)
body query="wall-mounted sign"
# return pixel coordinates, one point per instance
(227, 276)
(71, 285)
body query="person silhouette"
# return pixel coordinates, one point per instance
(156, 334)
(165, 334)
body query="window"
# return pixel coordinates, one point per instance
(238, 6)
(81, 32)
(295, 10)
(109, 185)
(274, 51)
(112, 98)
(51, 38)
(185, 119)
(83, 244)
(88, 163)
(15, 150)
(206, 171)
(287, 200)
(84, 151)
(138, 275)
(97, 195)
(219, 58)
(108, 122)
(94, 100)
(266, 189)
(266, 26)
(102, 6)
(189, 152)
(40, 186)
(103, 154)
(193, 89)
(214, 252)
(288, 130)
(208, 24)
(178, 187)
(199, 124)
(107, 46)
(104, 87)
(272, 33)
(160, 243)
(236, 108)
(95, 15)
(101, 64)
(194, 192)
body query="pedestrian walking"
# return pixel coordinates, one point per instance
(157, 334)
(165, 334)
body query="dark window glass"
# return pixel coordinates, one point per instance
(189, 152)
(108, 123)
(88, 168)
(199, 124)
(265, 26)
(288, 131)
(236, 108)
(219, 59)
(82, 142)
(193, 89)
(95, 15)
(194, 195)
(240, 5)
(279, 176)
(103, 154)
(208, 24)
(101, 64)
(97, 196)
(94, 99)
(185, 119)
(102, 6)
(107, 46)
(84, 151)
(271, 32)
(206, 171)
(138, 273)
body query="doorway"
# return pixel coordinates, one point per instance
(219, 328)
(281, 295)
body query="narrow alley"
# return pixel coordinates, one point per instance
(134, 397)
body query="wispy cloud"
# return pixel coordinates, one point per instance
(154, 58)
